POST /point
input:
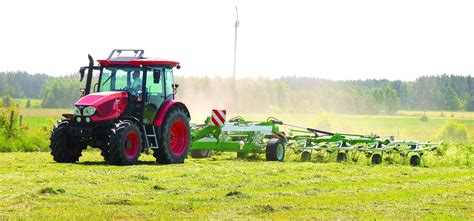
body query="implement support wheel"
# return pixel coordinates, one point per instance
(275, 150)
(242, 155)
(341, 157)
(376, 159)
(200, 153)
(415, 160)
(306, 156)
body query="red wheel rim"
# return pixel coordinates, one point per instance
(178, 137)
(131, 145)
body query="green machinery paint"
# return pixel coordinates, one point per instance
(244, 137)
(238, 135)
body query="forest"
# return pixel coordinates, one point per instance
(286, 94)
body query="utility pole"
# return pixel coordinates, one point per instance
(235, 44)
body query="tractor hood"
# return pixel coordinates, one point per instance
(109, 105)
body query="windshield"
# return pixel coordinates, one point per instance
(119, 79)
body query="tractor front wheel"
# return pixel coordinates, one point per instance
(65, 148)
(124, 144)
(275, 150)
(175, 138)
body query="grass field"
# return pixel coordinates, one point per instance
(34, 187)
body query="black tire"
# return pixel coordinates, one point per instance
(415, 160)
(200, 153)
(341, 157)
(165, 154)
(376, 159)
(65, 148)
(306, 156)
(242, 155)
(320, 158)
(104, 152)
(275, 150)
(125, 144)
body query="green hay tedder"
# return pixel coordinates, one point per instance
(255, 137)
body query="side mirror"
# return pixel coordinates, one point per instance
(156, 76)
(175, 88)
(83, 92)
(81, 71)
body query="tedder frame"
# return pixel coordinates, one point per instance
(244, 137)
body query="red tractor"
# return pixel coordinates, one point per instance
(131, 109)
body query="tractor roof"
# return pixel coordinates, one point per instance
(133, 57)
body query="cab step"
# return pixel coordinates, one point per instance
(151, 139)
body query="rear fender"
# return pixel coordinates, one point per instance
(165, 107)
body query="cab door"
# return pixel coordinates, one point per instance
(155, 93)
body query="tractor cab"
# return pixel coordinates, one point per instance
(134, 92)
(148, 81)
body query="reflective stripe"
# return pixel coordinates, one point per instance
(218, 117)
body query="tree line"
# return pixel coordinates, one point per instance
(20, 84)
(306, 94)
(286, 94)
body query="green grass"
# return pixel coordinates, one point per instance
(21, 102)
(42, 117)
(34, 187)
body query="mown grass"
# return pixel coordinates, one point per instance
(35, 187)
(221, 187)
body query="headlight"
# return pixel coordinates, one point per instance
(77, 112)
(88, 111)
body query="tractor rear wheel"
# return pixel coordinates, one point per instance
(275, 150)
(65, 148)
(201, 153)
(174, 139)
(125, 144)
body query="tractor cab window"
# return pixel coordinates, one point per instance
(154, 84)
(169, 82)
(155, 91)
(120, 79)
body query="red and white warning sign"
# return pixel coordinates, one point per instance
(218, 117)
